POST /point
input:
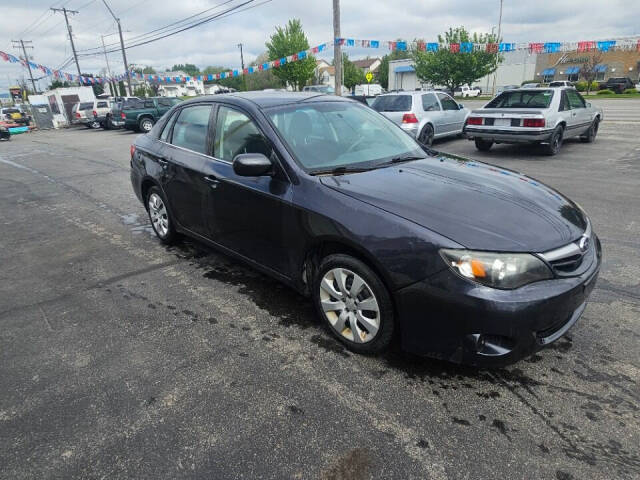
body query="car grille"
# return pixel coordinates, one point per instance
(567, 264)
(572, 260)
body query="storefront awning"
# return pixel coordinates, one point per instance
(404, 69)
(549, 71)
(601, 68)
(572, 70)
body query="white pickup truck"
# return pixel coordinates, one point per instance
(466, 91)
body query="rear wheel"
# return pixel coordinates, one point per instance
(426, 135)
(590, 136)
(107, 124)
(483, 145)
(555, 142)
(354, 304)
(145, 125)
(161, 221)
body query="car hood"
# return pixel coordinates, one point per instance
(477, 205)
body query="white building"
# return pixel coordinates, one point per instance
(61, 102)
(191, 88)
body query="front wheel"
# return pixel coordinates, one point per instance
(161, 220)
(354, 304)
(483, 145)
(145, 125)
(555, 142)
(590, 136)
(426, 135)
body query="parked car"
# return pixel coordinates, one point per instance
(114, 118)
(504, 88)
(13, 115)
(365, 100)
(561, 83)
(367, 89)
(538, 115)
(531, 85)
(319, 88)
(638, 87)
(618, 84)
(466, 91)
(90, 114)
(4, 131)
(145, 113)
(425, 115)
(386, 236)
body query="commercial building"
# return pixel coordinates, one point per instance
(566, 65)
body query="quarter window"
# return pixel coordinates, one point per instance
(102, 104)
(575, 100)
(165, 136)
(430, 103)
(190, 129)
(448, 103)
(149, 104)
(236, 134)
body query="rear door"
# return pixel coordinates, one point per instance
(187, 144)
(247, 214)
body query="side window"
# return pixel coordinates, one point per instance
(575, 100)
(102, 104)
(564, 102)
(165, 102)
(448, 103)
(165, 136)
(149, 104)
(190, 128)
(430, 103)
(236, 134)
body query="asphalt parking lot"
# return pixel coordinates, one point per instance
(120, 358)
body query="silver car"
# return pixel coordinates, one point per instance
(536, 115)
(425, 115)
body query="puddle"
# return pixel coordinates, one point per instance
(137, 227)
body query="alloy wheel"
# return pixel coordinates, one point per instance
(350, 305)
(426, 135)
(146, 125)
(158, 214)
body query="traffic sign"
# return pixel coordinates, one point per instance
(369, 77)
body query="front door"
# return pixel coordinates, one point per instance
(453, 116)
(246, 214)
(581, 120)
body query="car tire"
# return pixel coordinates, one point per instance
(483, 145)
(332, 287)
(145, 125)
(590, 136)
(425, 137)
(555, 142)
(107, 124)
(159, 216)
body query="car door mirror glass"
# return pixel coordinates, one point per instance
(252, 165)
(460, 106)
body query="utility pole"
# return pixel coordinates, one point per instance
(73, 47)
(495, 74)
(26, 59)
(337, 51)
(124, 55)
(244, 78)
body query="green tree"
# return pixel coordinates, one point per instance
(383, 69)
(188, 68)
(451, 69)
(288, 41)
(58, 84)
(230, 82)
(122, 88)
(352, 74)
(262, 79)
(98, 89)
(149, 70)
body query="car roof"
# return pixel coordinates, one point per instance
(268, 99)
(411, 92)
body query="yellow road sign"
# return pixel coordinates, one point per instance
(369, 77)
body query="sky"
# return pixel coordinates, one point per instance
(215, 43)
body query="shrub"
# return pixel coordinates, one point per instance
(581, 86)
(631, 90)
(605, 91)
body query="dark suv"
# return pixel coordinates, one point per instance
(618, 84)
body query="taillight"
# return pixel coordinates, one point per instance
(474, 121)
(133, 150)
(123, 116)
(409, 118)
(77, 115)
(95, 114)
(533, 122)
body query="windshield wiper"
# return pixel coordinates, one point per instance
(339, 171)
(404, 158)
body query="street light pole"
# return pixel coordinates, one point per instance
(495, 74)
(337, 51)
(124, 55)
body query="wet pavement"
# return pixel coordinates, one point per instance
(121, 358)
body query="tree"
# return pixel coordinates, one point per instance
(149, 70)
(451, 69)
(98, 89)
(383, 69)
(262, 79)
(352, 74)
(122, 88)
(230, 82)
(589, 68)
(58, 84)
(288, 41)
(188, 68)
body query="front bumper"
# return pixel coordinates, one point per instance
(502, 135)
(451, 318)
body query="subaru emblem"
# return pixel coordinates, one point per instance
(583, 244)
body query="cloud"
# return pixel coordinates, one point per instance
(215, 43)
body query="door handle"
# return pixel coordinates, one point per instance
(163, 162)
(211, 180)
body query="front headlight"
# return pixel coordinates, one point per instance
(498, 270)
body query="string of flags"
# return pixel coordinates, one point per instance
(400, 45)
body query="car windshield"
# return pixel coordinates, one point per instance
(11, 110)
(86, 106)
(329, 135)
(522, 99)
(392, 103)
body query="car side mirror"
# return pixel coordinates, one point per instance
(460, 106)
(588, 104)
(252, 165)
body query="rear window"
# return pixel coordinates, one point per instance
(86, 106)
(617, 80)
(11, 110)
(556, 84)
(392, 103)
(522, 99)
